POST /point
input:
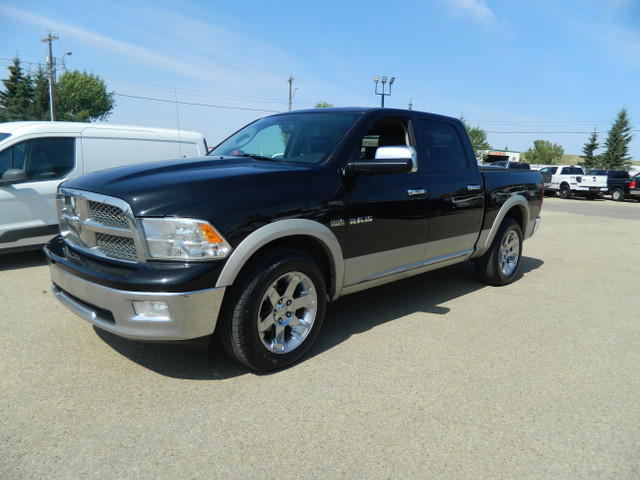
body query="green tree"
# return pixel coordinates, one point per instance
(82, 97)
(544, 153)
(589, 159)
(617, 142)
(17, 96)
(40, 106)
(478, 139)
(323, 104)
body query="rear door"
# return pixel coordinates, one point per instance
(455, 191)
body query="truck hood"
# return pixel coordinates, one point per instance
(160, 188)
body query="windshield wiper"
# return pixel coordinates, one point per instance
(260, 157)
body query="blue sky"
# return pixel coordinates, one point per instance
(522, 70)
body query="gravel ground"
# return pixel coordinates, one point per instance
(433, 377)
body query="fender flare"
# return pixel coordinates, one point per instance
(282, 229)
(486, 237)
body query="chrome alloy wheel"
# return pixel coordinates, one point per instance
(509, 253)
(287, 312)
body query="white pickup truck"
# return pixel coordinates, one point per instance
(569, 180)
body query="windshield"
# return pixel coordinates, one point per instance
(301, 138)
(4, 135)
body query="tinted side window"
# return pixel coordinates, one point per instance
(442, 146)
(45, 158)
(387, 132)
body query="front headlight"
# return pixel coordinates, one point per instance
(183, 239)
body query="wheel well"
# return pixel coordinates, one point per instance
(517, 214)
(306, 244)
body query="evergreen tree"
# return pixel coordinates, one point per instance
(40, 107)
(589, 159)
(16, 99)
(617, 144)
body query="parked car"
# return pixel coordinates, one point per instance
(290, 212)
(617, 182)
(36, 156)
(569, 180)
(507, 164)
(634, 187)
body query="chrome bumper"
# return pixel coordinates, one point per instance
(189, 315)
(536, 224)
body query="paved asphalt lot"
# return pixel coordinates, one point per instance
(435, 377)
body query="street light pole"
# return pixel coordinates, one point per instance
(382, 93)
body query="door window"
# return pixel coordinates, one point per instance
(388, 132)
(442, 146)
(41, 158)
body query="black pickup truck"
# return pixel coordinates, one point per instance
(290, 212)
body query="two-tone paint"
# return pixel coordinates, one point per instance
(362, 230)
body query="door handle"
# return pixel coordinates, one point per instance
(413, 192)
(474, 188)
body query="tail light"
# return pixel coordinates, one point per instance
(632, 184)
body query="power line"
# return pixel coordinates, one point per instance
(552, 133)
(194, 104)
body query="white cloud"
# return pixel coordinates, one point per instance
(199, 65)
(477, 9)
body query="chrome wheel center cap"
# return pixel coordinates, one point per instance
(282, 313)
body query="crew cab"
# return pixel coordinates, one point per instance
(617, 182)
(569, 180)
(290, 212)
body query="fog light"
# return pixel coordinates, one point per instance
(151, 310)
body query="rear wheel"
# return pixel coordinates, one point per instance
(617, 194)
(275, 311)
(499, 265)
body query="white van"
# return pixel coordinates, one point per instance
(36, 156)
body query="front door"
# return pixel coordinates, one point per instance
(386, 214)
(28, 209)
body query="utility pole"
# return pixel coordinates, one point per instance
(290, 82)
(50, 38)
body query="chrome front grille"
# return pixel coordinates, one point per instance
(99, 225)
(117, 247)
(108, 215)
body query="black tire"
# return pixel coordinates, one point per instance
(499, 265)
(274, 311)
(565, 191)
(617, 194)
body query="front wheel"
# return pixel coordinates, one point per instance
(274, 311)
(565, 191)
(499, 265)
